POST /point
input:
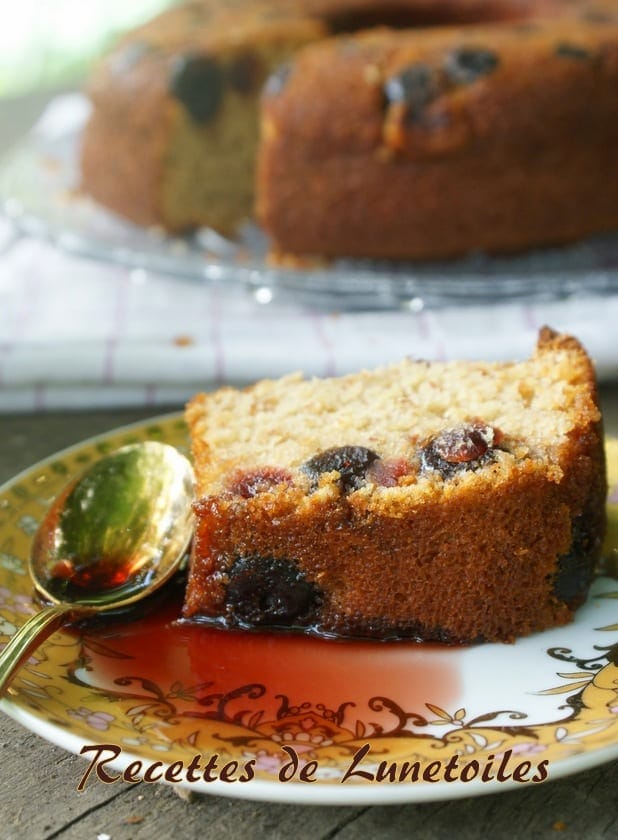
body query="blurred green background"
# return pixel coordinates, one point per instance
(47, 44)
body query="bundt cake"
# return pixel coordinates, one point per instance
(494, 125)
(439, 501)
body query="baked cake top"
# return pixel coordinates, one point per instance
(410, 425)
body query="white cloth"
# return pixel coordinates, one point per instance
(77, 333)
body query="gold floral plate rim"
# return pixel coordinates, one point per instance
(57, 697)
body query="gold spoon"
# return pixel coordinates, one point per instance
(113, 535)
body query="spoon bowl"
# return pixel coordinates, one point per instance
(114, 535)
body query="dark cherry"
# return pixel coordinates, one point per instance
(416, 87)
(245, 73)
(248, 483)
(197, 81)
(278, 80)
(351, 462)
(575, 568)
(270, 591)
(566, 50)
(467, 64)
(465, 447)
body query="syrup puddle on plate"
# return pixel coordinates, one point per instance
(160, 653)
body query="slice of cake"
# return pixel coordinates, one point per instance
(439, 501)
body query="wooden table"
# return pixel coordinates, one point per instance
(37, 780)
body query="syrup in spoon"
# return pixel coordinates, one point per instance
(113, 536)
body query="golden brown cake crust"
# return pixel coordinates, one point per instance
(502, 162)
(499, 551)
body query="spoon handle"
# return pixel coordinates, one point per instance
(29, 636)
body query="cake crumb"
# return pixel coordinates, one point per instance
(559, 825)
(184, 793)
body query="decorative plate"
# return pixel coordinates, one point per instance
(39, 193)
(295, 719)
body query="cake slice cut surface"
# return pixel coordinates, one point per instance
(451, 501)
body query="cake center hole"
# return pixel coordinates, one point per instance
(429, 13)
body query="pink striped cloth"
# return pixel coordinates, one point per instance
(76, 333)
